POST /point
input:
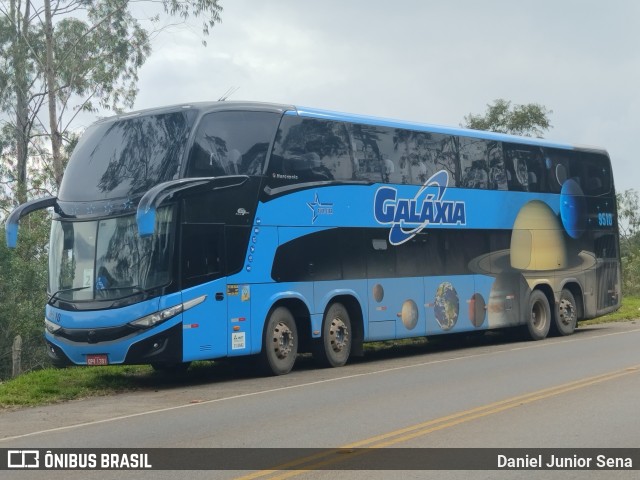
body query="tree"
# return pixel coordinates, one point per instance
(530, 120)
(71, 56)
(58, 59)
(629, 228)
(23, 280)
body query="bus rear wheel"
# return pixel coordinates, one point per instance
(334, 347)
(567, 318)
(539, 316)
(280, 343)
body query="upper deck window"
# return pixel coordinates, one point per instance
(126, 157)
(310, 150)
(232, 143)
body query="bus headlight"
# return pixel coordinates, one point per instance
(158, 317)
(149, 321)
(51, 327)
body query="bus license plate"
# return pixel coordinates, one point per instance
(97, 359)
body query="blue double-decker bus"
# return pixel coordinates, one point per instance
(228, 229)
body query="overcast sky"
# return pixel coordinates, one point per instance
(430, 61)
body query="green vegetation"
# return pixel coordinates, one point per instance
(52, 385)
(531, 120)
(630, 310)
(55, 62)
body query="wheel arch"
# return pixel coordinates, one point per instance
(302, 316)
(548, 292)
(576, 290)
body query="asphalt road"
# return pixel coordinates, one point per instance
(581, 391)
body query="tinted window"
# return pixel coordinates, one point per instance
(525, 168)
(231, 143)
(597, 172)
(482, 164)
(590, 171)
(126, 157)
(341, 253)
(410, 257)
(310, 150)
(412, 157)
(202, 252)
(327, 255)
(367, 153)
(562, 165)
(395, 155)
(381, 262)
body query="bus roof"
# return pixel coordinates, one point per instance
(205, 107)
(487, 135)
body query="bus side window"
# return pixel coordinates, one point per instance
(410, 156)
(202, 252)
(475, 171)
(535, 173)
(380, 257)
(562, 165)
(523, 168)
(410, 257)
(231, 143)
(366, 151)
(310, 150)
(433, 246)
(597, 174)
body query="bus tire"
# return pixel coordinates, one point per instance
(539, 316)
(334, 347)
(280, 343)
(567, 317)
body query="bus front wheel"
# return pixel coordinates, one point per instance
(280, 343)
(539, 316)
(335, 345)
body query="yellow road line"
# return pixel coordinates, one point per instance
(322, 459)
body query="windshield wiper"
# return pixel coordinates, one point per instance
(65, 290)
(134, 289)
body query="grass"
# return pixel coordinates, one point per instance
(630, 310)
(53, 385)
(59, 385)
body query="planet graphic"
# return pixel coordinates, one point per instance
(537, 241)
(573, 208)
(477, 310)
(409, 314)
(446, 306)
(378, 292)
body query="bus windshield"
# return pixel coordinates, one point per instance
(126, 157)
(107, 259)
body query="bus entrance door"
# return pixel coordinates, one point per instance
(202, 268)
(205, 325)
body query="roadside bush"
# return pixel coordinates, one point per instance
(23, 282)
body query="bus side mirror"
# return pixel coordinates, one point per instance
(11, 229)
(150, 201)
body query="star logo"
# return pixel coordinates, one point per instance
(318, 208)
